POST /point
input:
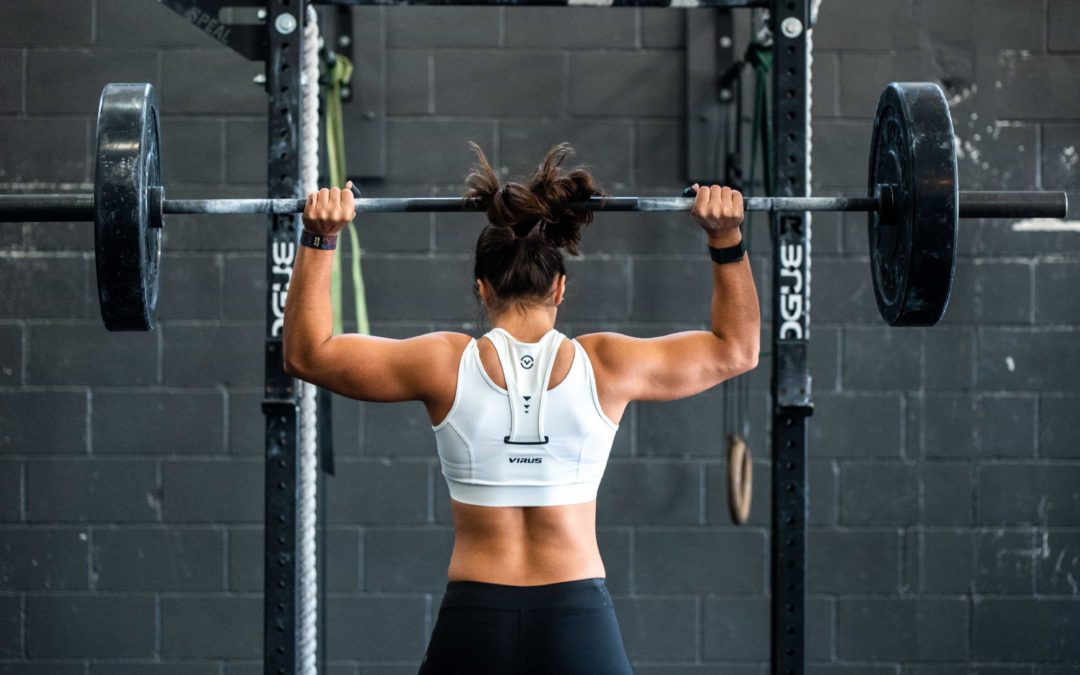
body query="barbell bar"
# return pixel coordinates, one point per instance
(972, 204)
(913, 205)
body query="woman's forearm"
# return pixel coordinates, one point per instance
(309, 317)
(736, 315)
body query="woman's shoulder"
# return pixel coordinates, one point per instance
(439, 355)
(597, 345)
(432, 350)
(593, 342)
(449, 337)
(609, 350)
(449, 343)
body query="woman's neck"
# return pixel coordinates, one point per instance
(529, 325)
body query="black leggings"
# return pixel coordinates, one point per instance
(565, 628)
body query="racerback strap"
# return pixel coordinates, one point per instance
(527, 369)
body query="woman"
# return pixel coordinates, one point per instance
(523, 418)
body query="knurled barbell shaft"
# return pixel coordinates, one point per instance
(455, 204)
(973, 204)
(74, 207)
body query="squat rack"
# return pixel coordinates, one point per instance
(277, 40)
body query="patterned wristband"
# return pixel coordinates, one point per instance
(323, 242)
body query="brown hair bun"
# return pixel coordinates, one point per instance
(540, 206)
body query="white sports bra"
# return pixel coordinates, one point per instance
(524, 445)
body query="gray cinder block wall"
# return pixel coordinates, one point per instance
(944, 482)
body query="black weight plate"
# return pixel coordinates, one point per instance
(127, 248)
(913, 245)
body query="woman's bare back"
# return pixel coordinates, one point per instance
(519, 545)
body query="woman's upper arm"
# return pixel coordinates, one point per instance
(371, 368)
(666, 367)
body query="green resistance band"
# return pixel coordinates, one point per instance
(339, 74)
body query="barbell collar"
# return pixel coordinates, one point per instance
(156, 206)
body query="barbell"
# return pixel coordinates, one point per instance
(913, 204)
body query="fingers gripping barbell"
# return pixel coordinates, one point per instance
(913, 205)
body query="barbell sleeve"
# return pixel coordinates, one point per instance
(45, 208)
(1014, 204)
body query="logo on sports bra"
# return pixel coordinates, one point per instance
(526, 362)
(526, 460)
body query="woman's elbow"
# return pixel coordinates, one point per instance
(296, 363)
(292, 366)
(746, 354)
(738, 357)
(752, 360)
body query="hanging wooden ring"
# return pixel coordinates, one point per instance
(740, 478)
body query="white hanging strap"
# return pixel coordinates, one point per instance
(527, 370)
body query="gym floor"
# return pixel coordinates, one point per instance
(944, 477)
